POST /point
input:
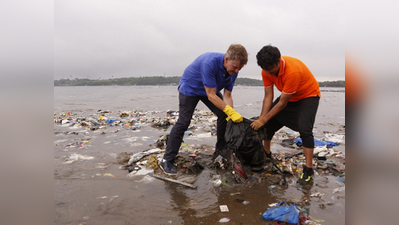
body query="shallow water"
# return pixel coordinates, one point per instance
(81, 186)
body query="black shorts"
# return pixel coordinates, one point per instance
(298, 116)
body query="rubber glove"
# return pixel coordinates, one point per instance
(234, 115)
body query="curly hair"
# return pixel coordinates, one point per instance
(237, 52)
(268, 56)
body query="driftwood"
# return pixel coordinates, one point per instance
(175, 181)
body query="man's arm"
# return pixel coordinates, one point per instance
(282, 103)
(218, 102)
(228, 98)
(267, 100)
(284, 98)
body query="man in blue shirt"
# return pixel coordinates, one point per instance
(202, 81)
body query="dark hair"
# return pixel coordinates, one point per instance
(268, 56)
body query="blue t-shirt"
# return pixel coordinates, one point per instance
(206, 70)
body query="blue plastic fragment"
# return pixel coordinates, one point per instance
(317, 143)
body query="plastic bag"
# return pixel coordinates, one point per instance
(282, 212)
(328, 144)
(246, 142)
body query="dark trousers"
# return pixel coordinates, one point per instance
(299, 116)
(187, 106)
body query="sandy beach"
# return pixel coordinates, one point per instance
(91, 187)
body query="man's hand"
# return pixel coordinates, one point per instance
(257, 124)
(232, 114)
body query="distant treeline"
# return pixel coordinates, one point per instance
(338, 83)
(131, 81)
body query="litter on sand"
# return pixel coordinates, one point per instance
(244, 164)
(146, 179)
(75, 157)
(282, 212)
(223, 208)
(224, 220)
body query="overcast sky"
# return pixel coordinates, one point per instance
(103, 39)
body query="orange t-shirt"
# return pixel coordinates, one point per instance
(294, 78)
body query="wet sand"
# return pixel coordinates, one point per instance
(96, 191)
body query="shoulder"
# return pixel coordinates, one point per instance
(210, 56)
(293, 62)
(212, 60)
(290, 59)
(294, 66)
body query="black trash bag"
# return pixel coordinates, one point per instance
(245, 142)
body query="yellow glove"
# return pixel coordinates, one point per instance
(232, 114)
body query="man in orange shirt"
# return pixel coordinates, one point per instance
(295, 108)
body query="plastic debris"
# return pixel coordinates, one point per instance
(219, 159)
(310, 222)
(318, 195)
(282, 212)
(101, 166)
(137, 156)
(75, 157)
(224, 220)
(223, 208)
(113, 197)
(216, 179)
(338, 189)
(236, 193)
(273, 204)
(341, 179)
(134, 168)
(146, 179)
(317, 143)
(109, 175)
(316, 220)
(142, 172)
(339, 138)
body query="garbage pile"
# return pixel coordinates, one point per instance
(229, 166)
(245, 154)
(326, 158)
(192, 159)
(103, 119)
(189, 163)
